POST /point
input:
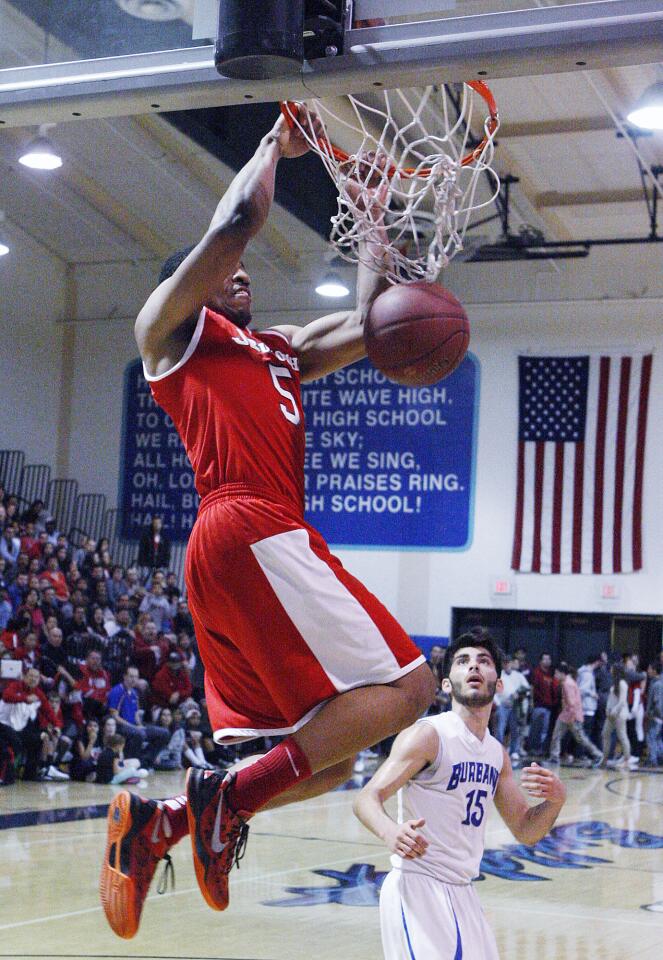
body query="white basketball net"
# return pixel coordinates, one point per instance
(412, 228)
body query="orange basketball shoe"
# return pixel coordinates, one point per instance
(218, 833)
(139, 835)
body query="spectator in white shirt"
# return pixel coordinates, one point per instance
(514, 688)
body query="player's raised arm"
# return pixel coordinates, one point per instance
(413, 749)
(166, 319)
(529, 824)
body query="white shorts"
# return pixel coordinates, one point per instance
(425, 919)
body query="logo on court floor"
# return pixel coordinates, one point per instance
(565, 848)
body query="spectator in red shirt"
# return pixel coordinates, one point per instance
(30, 540)
(26, 724)
(93, 688)
(545, 697)
(56, 578)
(171, 685)
(31, 606)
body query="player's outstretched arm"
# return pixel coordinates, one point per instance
(169, 312)
(413, 749)
(529, 824)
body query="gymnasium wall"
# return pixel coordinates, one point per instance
(31, 353)
(420, 588)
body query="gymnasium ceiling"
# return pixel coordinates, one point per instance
(134, 188)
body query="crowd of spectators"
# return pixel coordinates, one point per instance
(598, 714)
(100, 678)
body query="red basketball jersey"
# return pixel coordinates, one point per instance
(235, 400)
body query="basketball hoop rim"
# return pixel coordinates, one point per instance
(288, 108)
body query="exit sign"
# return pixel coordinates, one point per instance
(502, 588)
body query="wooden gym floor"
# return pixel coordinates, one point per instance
(308, 886)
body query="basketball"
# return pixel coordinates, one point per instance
(416, 333)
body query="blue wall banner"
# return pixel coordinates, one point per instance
(155, 476)
(390, 466)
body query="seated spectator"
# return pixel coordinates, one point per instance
(4, 579)
(29, 540)
(36, 514)
(29, 652)
(52, 533)
(116, 586)
(119, 648)
(170, 756)
(91, 689)
(171, 685)
(24, 707)
(182, 620)
(133, 581)
(123, 705)
(78, 621)
(81, 554)
(49, 605)
(6, 609)
(149, 650)
(54, 746)
(155, 603)
(171, 589)
(54, 665)
(18, 589)
(198, 750)
(56, 579)
(86, 750)
(111, 765)
(10, 545)
(97, 627)
(31, 606)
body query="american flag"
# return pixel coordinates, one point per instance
(581, 452)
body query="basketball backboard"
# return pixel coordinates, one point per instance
(96, 58)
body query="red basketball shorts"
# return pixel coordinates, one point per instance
(281, 625)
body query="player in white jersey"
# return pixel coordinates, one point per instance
(449, 770)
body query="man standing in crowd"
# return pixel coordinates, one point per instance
(586, 681)
(570, 718)
(545, 697)
(654, 717)
(154, 547)
(450, 771)
(507, 701)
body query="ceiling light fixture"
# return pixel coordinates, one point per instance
(40, 154)
(648, 110)
(332, 285)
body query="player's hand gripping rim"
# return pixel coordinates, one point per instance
(406, 841)
(543, 784)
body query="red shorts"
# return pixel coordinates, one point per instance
(281, 625)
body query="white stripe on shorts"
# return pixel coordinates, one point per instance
(333, 624)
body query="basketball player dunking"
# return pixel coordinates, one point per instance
(450, 770)
(292, 643)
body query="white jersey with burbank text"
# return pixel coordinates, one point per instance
(453, 795)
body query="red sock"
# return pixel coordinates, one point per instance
(276, 772)
(175, 809)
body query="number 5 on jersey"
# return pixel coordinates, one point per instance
(291, 410)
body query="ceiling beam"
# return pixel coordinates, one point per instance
(554, 128)
(206, 169)
(585, 198)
